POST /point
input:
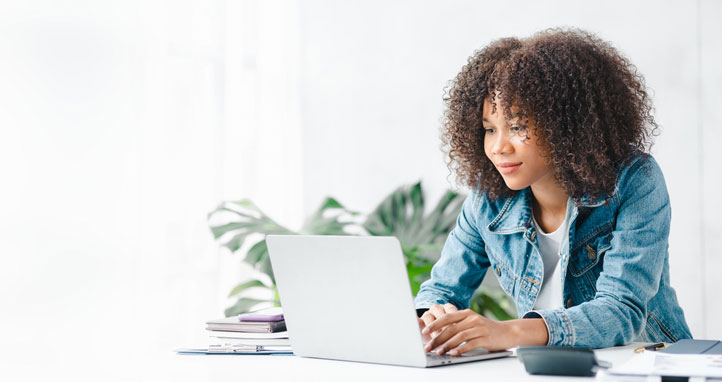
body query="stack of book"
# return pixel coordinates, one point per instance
(257, 332)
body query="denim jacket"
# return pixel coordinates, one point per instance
(614, 264)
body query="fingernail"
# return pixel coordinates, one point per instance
(454, 352)
(440, 351)
(427, 347)
(425, 331)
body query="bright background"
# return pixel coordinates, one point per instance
(123, 123)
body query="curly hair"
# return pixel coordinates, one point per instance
(589, 105)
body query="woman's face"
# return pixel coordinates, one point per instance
(513, 149)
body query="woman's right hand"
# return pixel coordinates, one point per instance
(431, 315)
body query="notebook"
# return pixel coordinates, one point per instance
(232, 324)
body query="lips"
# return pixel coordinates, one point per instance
(508, 167)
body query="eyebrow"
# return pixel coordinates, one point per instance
(517, 115)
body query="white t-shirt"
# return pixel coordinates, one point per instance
(550, 295)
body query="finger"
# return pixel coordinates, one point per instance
(442, 337)
(470, 345)
(449, 331)
(446, 319)
(424, 337)
(458, 338)
(437, 310)
(428, 318)
(449, 307)
(434, 312)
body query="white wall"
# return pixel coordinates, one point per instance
(710, 156)
(122, 124)
(373, 74)
(109, 155)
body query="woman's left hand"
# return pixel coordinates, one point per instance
(465, 326)
(476, 331)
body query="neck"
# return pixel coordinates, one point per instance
(549, 203)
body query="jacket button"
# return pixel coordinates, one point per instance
(570, 303)
(498, 270)
(533, 235)
(591, 253)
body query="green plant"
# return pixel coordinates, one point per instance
(400, 214)
(422, 238)
(249, 224)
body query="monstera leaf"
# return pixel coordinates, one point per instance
(244, 220)
(422, 237)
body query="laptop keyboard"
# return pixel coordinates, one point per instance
(473, 353)
(434, 358)
(433, 355)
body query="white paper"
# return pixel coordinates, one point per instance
(673, 365)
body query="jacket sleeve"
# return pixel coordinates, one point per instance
(631, 270)
(462, 264)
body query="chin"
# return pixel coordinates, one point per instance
(515, 186)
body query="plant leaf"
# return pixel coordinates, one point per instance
(245, 203)
(484, 302)
(256, 253)
(242, 305)
(220, 230)
(328, 223)
(264, 266)
(246, 285)
(236, 241)
(330, 203)
(416, 198)
(443, 218)
(417, 275)
(401, 214)
(222, 208)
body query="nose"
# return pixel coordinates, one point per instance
(500, 144)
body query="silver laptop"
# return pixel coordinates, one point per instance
(348, 298)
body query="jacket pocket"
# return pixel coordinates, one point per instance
(659, 329)
(586, 254)
(502, 271)
(585, 264)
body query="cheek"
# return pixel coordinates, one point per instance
(528, 148)
(539, 166)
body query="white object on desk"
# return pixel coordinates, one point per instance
(672, 365)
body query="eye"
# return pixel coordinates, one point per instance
(489, 130)
(518, 129)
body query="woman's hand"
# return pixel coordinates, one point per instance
(463, 331)
(431, 315)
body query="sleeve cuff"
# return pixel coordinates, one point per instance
(425, 302)
(559, 326)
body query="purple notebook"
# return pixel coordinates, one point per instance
(264, 315)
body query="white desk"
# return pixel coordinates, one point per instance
(140, 365)
(290, 368)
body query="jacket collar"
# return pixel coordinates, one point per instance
(516, 213)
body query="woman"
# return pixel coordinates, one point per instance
(569, 210)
